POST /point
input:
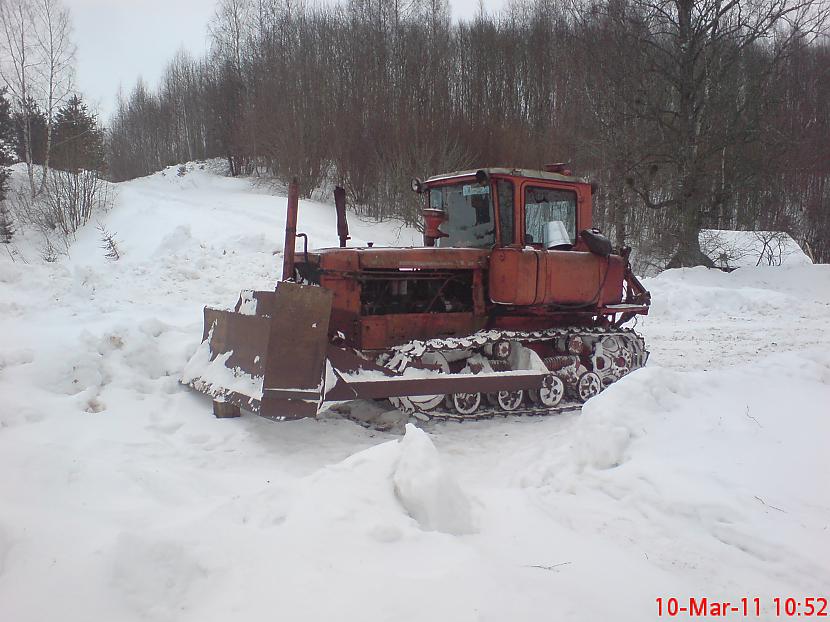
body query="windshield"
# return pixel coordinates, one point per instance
(469, 215)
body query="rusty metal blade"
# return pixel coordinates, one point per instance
(228, 365)
(267, 356)
(296, 357)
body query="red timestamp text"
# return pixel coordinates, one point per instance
(746, 607)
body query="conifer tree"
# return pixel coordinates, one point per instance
(77, 142)
(37, 130)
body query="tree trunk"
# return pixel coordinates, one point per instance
(27, 148)
(688, 253)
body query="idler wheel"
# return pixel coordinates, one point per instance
(588, 386)
(466, 403)
(510, 400)
(550, 394)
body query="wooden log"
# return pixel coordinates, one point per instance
(225, 410)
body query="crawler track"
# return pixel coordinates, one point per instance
(492, 413)
(582, 362)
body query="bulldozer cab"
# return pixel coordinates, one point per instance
(506, 207)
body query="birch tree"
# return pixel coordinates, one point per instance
(55, 71)
(37, 67)
(17, 69)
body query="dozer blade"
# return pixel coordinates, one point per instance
(269, 354)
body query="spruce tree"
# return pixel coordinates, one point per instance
(77, 141)
(37, 127)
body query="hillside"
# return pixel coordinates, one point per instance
(123, 498)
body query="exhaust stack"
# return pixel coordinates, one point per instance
(290, 230)
(342, 224)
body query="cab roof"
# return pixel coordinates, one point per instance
(516, 172)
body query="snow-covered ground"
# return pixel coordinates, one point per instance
(123, 498)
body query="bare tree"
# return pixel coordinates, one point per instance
(688, 114)
(52, 31)
(693, 50)
(20, 61)
(38, 67)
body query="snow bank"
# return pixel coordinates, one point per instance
(727, 458)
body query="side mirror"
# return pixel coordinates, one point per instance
(417, 185)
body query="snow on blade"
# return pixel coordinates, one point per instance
(215, 378)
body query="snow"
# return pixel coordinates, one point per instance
(427, 491)
(123, 498)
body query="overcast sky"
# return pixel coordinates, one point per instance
(120, 40)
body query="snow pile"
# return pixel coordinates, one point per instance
(427, 490)
(389, 492)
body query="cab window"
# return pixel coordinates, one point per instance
(543, 205)
(468, 214)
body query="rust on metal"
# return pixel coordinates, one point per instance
(296, 355)
(290, 230)
(342, 223)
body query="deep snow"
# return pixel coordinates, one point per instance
(122, 498)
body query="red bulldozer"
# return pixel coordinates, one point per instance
(515, 304)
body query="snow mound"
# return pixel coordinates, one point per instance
(353, 500)
(393, 491)
(694, 293)
(427, 490)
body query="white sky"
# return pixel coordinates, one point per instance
(120, 40)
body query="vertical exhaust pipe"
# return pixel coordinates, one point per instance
(290, 230)
(342, 224)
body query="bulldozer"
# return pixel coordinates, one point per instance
(515, 304)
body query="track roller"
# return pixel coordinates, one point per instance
(549, 395)
(466, 403)
(588, 386)
(509, 400)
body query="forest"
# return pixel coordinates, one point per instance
(686, 114)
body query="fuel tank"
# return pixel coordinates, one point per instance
(527, 276)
